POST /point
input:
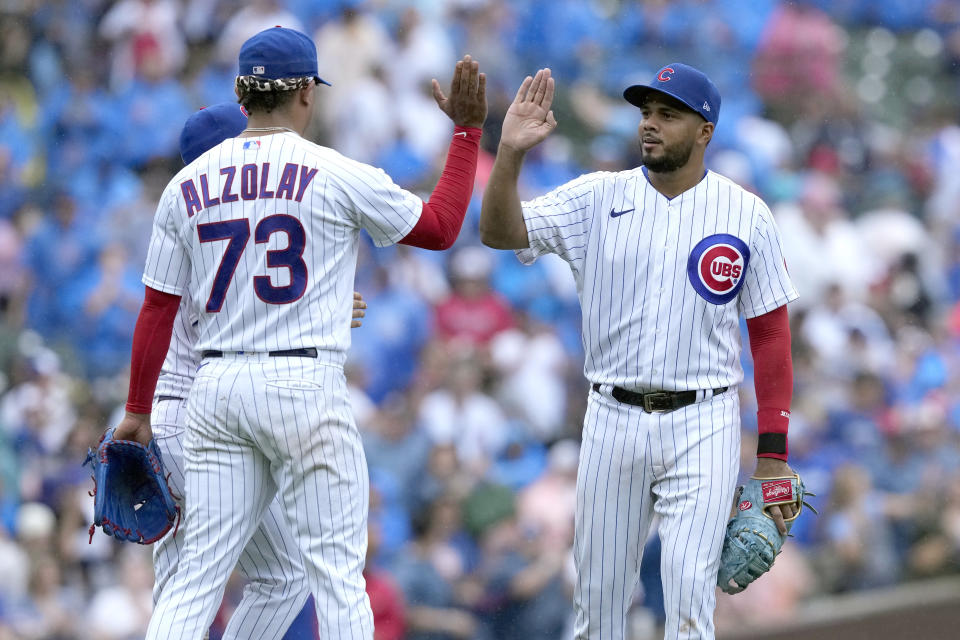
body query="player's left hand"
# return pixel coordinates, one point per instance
(136, 427)
(773, 468)
(359, 310)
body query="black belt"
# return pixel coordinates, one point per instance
(305, 352)
(162, 398)
(656, 401)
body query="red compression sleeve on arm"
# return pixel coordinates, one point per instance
(151, 339)
(439, 224)
(773, 380)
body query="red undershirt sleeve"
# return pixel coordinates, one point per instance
(151, 339)
(442, 216)
(773, 380)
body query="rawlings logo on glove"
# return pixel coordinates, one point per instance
(752, 541)
(777, 490)
(132, 500)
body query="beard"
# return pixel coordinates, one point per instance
(673, 157)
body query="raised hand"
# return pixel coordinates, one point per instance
(467, 103)
(529, 119)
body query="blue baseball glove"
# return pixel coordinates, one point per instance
(132, 500)
(752, 541)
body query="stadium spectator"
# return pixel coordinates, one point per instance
(474, 313)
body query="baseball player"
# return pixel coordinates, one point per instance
(666, 257)
(270, 561)
(261, 234)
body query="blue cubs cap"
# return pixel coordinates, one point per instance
(209, 127)
(688, 85)
(279, 53)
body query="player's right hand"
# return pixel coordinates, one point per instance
(467, 103)
(359, 310)
(136, 427)
(529, 119)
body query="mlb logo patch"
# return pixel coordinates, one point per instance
(259, 70)
(253, 145)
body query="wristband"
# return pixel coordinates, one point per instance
(472, 133)
(772, 425)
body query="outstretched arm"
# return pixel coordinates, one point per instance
(528, 121)
(442, 215)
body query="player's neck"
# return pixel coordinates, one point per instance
(673, 183)
(260, 124)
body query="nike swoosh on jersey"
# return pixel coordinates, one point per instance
(461, 133)
(616, 214)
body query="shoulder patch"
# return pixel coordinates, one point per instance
(716, 267)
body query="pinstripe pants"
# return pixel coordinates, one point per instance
(258, 428)
(681, 466)
(270, 561)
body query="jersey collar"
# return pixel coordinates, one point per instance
(645, 175)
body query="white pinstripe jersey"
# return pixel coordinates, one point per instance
(262, 234)
(661, 281)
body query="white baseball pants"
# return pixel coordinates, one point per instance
(681, 466)
(260, 427)
(271, 562)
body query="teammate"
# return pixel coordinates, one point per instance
(665, 257)
(261, 232)
(270, 561)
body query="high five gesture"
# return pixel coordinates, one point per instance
(530, 119)
(467, 103)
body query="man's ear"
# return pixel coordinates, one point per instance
(706, 133)
(306, 94)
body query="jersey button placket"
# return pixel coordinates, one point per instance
(653, 305)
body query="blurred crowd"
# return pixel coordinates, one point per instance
(466, 377)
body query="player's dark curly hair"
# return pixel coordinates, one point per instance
(258, 95)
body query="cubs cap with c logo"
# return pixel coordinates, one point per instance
(681, 81)
(210, 126)
(279, 53)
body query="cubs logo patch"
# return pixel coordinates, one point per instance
(716, 267)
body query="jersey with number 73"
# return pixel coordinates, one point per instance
(261, 234)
